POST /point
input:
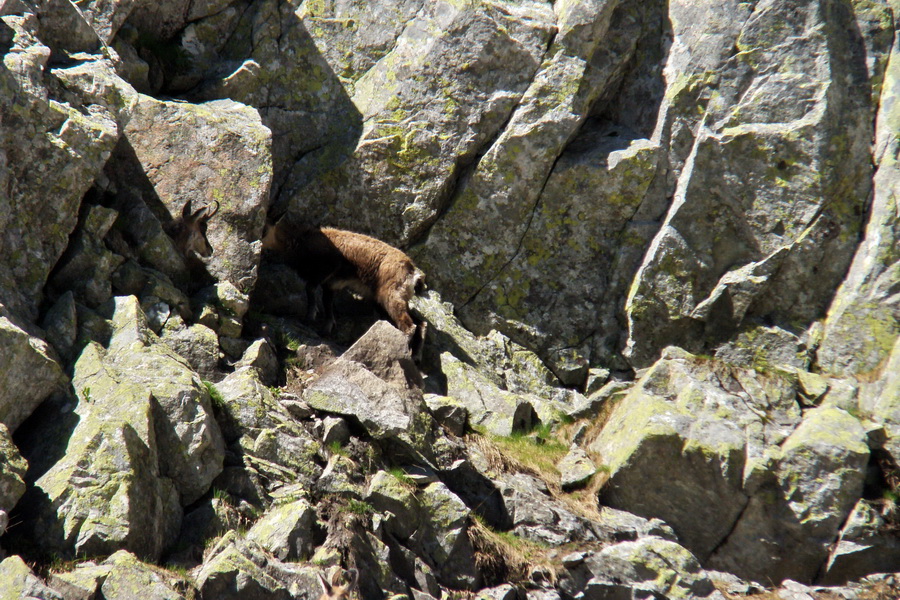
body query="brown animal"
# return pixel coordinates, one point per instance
(335, 259)
(333, 591)
(189, 231)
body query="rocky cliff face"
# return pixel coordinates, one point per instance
(663, 343)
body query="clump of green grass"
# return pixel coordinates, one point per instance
(401, 476)
(359, 507)
(335, 447)
(218, 401)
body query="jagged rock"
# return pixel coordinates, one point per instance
(444, 540)
(56, 137)
(384, 352)
(647, 567)
(388, 494)
(188, 436)
(348, 389)
(449, 412)
(525, 191)
(677, 414)
(18, 581)
(729, 254)
(862, 327)
(86, 267)
(496, 410)
(485, 55)
(799, 504)
(277, 447)
(28, 375)
(123, 501)
(227, 159)
(335, 431)
(242, 570)
(12, 473)
(575, 469)
(197, 344)
(759, 490)
(129, 578)
(261, 357)
(286, 530)
(388, 408)
(864, 546)
(145, 428)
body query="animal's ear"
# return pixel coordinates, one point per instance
(186, 211)
(336, 577)
(326, 587)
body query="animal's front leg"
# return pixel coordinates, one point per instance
(417, 342)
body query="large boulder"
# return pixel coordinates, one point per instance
(523, 212)
(794, 516)
(17, 580)
(60, 124)
(649, 567)
(146, 430)
(753, 487)
(224, 156)
(375, 383)
(28, 375)
(862, 323)
(121, 501)
(415, 140)
(120, 577)
(763, 224)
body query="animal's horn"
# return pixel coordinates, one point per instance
(214, 211)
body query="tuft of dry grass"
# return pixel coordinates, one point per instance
(504, 557)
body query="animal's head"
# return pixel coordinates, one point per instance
(189, 230)
(333, 591)
(419, 282)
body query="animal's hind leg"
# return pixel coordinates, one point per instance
(328, 306)
(312, 308)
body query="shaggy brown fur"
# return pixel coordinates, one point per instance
(337, 259)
